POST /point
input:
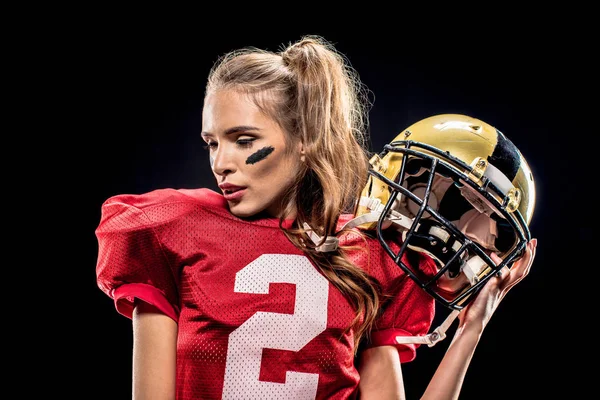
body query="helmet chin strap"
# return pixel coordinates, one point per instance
(401, 221)
(435, 336)
(331, 242)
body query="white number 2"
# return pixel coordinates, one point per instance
(276, 330)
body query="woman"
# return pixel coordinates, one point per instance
(258, 292)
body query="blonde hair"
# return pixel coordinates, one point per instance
(314, 94)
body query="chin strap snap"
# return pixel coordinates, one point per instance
(431, 338)
(330, 243)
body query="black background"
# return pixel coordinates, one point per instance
(135, 91)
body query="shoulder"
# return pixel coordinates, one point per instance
(167, 196)
(160, 206)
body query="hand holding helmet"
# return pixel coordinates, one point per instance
(485, 303)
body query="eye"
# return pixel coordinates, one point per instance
(245, 142)
(210, 145)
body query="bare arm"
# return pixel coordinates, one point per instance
(380, 374)
(154, 354)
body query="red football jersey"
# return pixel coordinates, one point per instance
(256, 318)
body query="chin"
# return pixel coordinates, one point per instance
(242, 212)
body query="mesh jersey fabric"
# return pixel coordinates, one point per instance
(256, 319)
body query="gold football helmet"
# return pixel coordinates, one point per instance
(456, 189)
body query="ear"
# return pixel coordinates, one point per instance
(302, 153)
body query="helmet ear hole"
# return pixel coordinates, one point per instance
(453, 205)
(506, 235)
(414, 166)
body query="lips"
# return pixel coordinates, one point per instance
(232, 192)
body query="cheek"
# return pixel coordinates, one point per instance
(267, 167)
(277, 166)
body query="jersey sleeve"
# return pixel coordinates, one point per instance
(131, 263)
(406, 309)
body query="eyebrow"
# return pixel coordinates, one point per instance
(235, 129)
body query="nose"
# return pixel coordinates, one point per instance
(222, 161)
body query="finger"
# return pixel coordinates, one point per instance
(521, 267)
(532, 246)
(503, 272)
(527, 260)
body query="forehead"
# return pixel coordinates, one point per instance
(225, 108)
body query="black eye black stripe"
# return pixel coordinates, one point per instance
(259, 155)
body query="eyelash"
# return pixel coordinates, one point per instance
(245, 142)
(240, 142)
